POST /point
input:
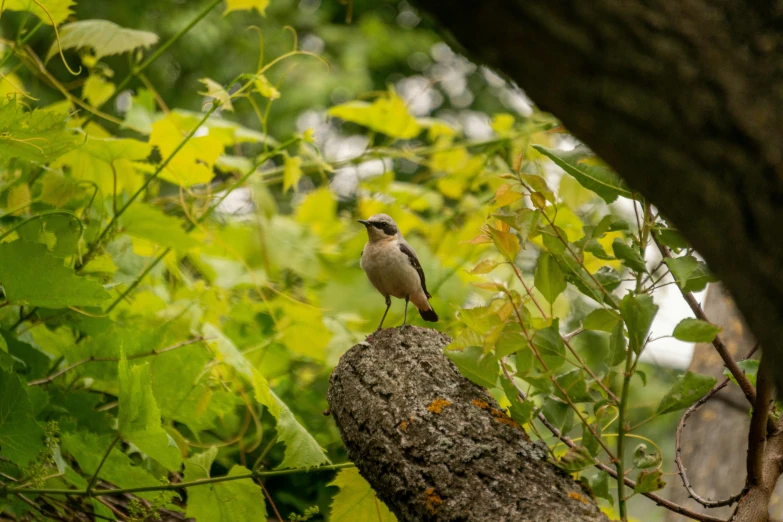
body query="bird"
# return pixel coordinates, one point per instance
(393, 268)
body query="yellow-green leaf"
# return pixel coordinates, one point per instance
(105, 38)
(51, 12)
(239, 5)
(356, 500)
(292, 172)
(96, 90)
(218, 92)
(387, 114)
(194, 162)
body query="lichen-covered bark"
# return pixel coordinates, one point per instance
(683, 98)
(436, 447)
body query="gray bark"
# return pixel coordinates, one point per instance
(435, 447)
(683, 98)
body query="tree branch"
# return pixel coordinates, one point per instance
(436, 447)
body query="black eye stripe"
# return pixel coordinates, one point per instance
(377, 224)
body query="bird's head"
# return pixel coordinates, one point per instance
(380, 227)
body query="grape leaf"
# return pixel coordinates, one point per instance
(39, 135)
(51, 12)
(150, 223)
(21, 437)
(103, 37)
(302, 450)
(194, 162)
(356, 501)
(292, 172)
(231, 501)
(387, 114)
(236, 5)
(31, 276)
(139, 416)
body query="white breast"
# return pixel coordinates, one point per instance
(390, 270)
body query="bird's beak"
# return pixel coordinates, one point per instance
(365, 223)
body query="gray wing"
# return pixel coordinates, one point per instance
(408, 251)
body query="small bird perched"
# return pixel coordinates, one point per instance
(393, 267)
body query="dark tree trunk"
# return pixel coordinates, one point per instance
(435, 447)
(683, 98)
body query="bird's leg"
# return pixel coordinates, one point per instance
(405, 317)
(388, 305)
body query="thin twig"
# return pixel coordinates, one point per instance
(179, 485)
(720, 347)
(671, 506)
(93, 358)
(678, 447)
(94, 477)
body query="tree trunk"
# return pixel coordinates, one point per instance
(436, 447)
(683, 98)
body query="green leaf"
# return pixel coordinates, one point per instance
(292, 172)
(31, 276)
(559, 414)
(51, 12)
(638, 312)
(520, 411)
(670, 237)
(231, 501)
(39, 135)
(689, 388)
(691, 275)
(96, 90)
(642, 459)
(580, 164)
(218, 92)
(302, 450)
(506, 243)
(105, 38)
(575, 386)
(696, 331)
(356, 501)
(600, 319)
(648, 481)
(599, 484)
(550, 345)
(139, 416)
(629, 255)
(387, 114)
(476, 366)
(106, 161)
(21, 437)
(576, 459)
(750, 367)
(618, 345)
(88, 449)
(149, 223)
(549, 277)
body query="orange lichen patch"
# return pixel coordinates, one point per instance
(580, 498)
(509, 422)
(497, 413)
(432, 500)
(478, 403)
(437, 405)
(404, 425)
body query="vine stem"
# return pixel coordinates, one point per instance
(134, 197)
(94, 477)
(173, 487)
(158, 53)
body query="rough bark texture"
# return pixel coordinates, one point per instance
(434, 446)
(683, 98)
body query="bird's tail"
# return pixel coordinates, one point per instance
(429, 315)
